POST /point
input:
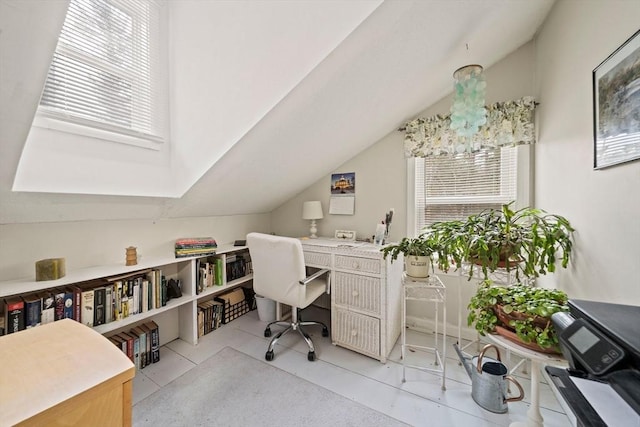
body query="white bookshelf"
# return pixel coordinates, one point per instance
(178, 316)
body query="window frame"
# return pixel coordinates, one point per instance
(524, 185)
(58, 121)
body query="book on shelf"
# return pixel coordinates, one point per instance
(69, 304)
(163, 291)
(119, 342)
(86, 308)
(219, 279)
(48, 313)
(144, 295)
(108, 300)
(155, 341)
(99, 306)
(117, 300)
(58, 297)
(136, 349)
(196, 246)
(135, 301)
(200, 322)
(14, 314)
(129, 340)
(32, 309)
(142, 337)
(147, 350)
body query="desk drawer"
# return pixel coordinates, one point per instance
(358, 264)
(317, 259)
(356, 331)
(357, 291)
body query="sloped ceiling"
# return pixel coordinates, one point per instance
(393, 64)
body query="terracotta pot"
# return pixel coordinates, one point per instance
(417, 266)
(507, 259)
(542, 322)
(512, 336)
(508, 332)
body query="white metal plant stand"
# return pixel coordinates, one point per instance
(430, 289)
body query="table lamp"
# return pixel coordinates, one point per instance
(312, 210)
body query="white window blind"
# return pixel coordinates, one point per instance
(107, 70)
(454, 187)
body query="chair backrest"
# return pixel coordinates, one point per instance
(278, 266)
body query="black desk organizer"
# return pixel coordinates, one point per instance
(233, 311)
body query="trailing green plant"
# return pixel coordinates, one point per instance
(528, 240)
(530, 308)
(423, 245)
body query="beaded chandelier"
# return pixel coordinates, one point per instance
(467, 112)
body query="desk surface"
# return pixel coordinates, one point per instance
(45, 366)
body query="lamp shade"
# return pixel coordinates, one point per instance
(312, 210)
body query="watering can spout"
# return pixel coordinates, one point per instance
(466, 361)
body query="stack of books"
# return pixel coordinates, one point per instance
(195, 246)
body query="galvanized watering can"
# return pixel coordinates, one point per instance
(489, 380)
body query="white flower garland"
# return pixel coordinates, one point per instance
(508, 123)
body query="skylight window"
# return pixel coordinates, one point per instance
(106, 78)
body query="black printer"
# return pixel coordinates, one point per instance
(601, 342)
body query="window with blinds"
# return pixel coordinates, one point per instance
(107, 71)
(449, 188)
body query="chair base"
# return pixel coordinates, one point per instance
(294, 325)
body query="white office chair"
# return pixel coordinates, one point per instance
(279, 274)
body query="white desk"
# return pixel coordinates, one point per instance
(366, 294)
(534, 417)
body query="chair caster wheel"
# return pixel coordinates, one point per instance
(268, 356)
(311, 356)
(267, 332)
(325, 332)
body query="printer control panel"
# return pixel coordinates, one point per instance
(596, 352)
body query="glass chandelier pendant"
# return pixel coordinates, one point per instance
(467, 112)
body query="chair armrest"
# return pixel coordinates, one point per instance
(314, 276)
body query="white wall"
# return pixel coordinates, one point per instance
(603, 205)
(89, 243)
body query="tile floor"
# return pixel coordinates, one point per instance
(418, 402)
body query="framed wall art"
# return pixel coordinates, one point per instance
(616, 106)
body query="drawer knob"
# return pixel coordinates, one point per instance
(356, 265)
(354, 332)
(355, 293)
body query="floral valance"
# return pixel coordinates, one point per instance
(508, 123)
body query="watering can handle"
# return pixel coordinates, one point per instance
(517, 398)
(481, 355)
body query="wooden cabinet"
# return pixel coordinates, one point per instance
(64, 374)
(366, 295)
(177, 319)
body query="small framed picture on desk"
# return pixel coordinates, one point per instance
(347, 235)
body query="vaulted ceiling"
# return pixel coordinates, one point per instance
(327, 90)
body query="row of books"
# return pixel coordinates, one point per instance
(209, 273)
(210, 270)
(238, 266)
(92, 303)
(141, 344)
(195, 246)
(210, 316)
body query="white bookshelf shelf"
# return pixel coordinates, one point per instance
(182, 310)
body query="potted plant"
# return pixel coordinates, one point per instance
(417, 253)
(528, 240)
(519, 312)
